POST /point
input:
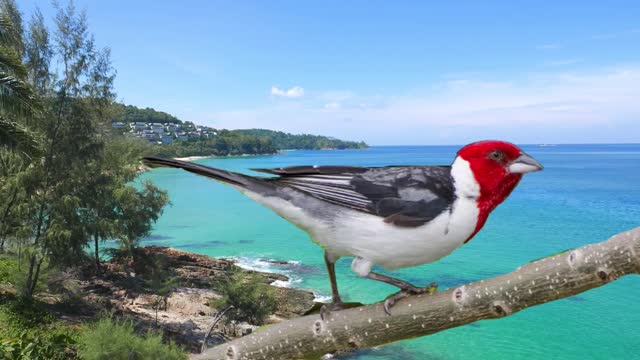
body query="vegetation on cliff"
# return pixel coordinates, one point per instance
(130, 113)
(283, 141)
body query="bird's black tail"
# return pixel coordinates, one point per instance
(231, 178)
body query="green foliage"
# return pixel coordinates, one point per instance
(109, 339)
(16, 96)
(15, 136)
(80, 190)
(136, 210)
(226, 143)
(130, 113)
(28, 331)
(8, 267)
(252, 300)
(283, 141)
(252, 142)
(13, 272)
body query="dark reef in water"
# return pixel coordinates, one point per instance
(293, 266)
(157, 237)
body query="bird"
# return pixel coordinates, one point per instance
(393, 216)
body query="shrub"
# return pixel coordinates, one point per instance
(13, 272)
(251, 299)
(27, 331)
(110, 339)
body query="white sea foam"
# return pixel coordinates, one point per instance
(287, 284)
(272, 266)
(321, 298)
(254, 264)
(268, 265)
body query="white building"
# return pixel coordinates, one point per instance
(167, 139)
(138, 125)
(172, 127)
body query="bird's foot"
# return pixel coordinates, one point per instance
(413, 290)
(326, 309)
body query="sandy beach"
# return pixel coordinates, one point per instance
(193, 158)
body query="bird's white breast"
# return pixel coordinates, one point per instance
(367, 236)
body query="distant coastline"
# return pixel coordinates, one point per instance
(171, 137)
(279, 152)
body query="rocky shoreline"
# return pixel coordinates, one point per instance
(186, 315)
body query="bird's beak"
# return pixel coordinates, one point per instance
(524, 164)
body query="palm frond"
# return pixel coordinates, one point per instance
(16, 95)
(7, 29)
(17, 137)
(10, 60)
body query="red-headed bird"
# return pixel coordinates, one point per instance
(395, 216)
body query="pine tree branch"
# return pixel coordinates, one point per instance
(551, 278)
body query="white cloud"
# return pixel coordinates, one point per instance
(613, 35)
(552, 107)
(563, 62)
(332, 106)
(605, 36)
(294, 92)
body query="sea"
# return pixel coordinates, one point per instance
(585, 194)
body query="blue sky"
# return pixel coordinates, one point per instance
(387, 72)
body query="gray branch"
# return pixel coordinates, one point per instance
(215, 322)
(538, 282)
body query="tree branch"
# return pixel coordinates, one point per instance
(538, 282)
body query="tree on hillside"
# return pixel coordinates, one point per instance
(110, 197)
(130, 113)
(12, 194)
(137, 209)
(80, 191)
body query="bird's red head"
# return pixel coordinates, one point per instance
(497, 167)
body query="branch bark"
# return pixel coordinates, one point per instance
(551, 278)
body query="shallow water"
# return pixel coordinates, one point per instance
(585, 194)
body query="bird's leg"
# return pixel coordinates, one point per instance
(406, 289)
(336, 301)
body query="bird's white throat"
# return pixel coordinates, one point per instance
(465, 182)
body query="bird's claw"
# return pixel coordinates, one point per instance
(393, 299)
(326, 309)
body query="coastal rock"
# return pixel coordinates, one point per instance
(185, 316)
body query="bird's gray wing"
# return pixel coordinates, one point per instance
(406, 196)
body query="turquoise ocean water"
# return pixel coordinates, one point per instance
(585, 194)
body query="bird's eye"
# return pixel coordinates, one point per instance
(496, 155)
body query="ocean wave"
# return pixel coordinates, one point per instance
(256, 264)
(287, 284)
(321, 298)
(270, 266)
(287, 268)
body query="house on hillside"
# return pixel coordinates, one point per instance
(172, 128)
(157, 128)
(182, 136)
(148, 135)
(167, 139)
(138, 125)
